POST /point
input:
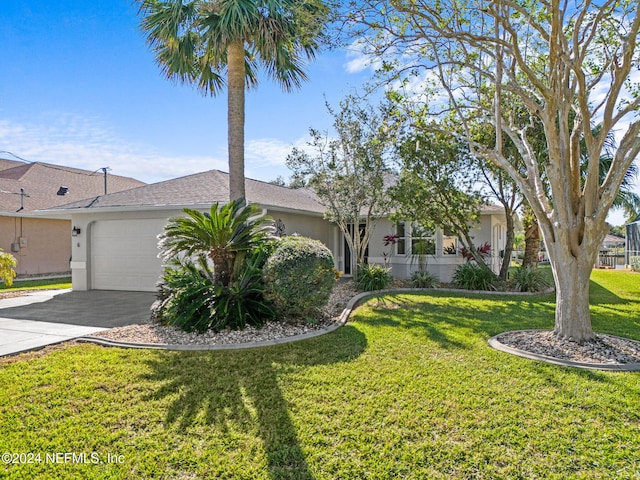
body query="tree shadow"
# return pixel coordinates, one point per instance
(443, 322)
(239, 389)
(599, 295)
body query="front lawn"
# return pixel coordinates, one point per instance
(408, 389)
(37, 284)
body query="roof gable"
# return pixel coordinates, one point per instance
(203, 188)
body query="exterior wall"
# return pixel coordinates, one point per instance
(84, 278)
(44, 244)
(491, 229)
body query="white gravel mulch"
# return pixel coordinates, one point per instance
(604, 349)
(152, 332)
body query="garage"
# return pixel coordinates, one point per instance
(124, 254)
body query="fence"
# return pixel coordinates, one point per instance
(633, 259)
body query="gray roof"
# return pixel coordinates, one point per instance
(41, 182)
(203, 188)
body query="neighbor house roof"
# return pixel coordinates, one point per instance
(201, 189)
(40, 182)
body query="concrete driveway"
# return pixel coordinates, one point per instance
(44, 318)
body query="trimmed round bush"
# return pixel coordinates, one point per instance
(299, 276)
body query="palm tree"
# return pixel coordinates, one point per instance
(226, 235)
(198, 41)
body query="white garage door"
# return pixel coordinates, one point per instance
(124, 254)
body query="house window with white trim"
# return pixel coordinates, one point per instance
(414, 240)
(401, 245)
(423, 241)
(449, 243)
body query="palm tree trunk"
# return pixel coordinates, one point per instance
(235, 118)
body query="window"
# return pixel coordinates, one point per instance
(401, 240)
(421, 241)
(449, 243)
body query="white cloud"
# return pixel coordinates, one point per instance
(86, 143)
(359, 59)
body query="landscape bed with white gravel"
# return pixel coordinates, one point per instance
(603, 350)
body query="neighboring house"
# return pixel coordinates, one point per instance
(611, 254)
(42, 244)
(117, 245)
(633, 245)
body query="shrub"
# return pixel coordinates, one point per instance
(423, 279)
(373, 277)
(7, 265)
(471, 276)
(191, 298)
(529, 279)
(299, 276)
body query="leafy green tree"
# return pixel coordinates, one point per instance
(348, 172)
(213, 43)
(436, 186)
(226, 234)
(7, 264)
(570, 64)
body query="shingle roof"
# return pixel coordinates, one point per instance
(41, 182)
(203, 188)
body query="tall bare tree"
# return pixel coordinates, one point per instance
(571, 64)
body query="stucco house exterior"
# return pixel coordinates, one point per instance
(116, 248)
(42, 244)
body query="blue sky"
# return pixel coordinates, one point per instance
(80, 87)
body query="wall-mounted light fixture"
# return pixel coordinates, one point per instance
(75, 231)
(62, 190)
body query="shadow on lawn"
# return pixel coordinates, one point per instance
(456, 324)
(240, 389)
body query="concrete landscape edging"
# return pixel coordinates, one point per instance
(342, 320)
(615, 367)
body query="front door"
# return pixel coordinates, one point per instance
(348, 268)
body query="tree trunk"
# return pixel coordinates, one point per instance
(531, 238)
(235, 118)
(571, 274)
(508, 248)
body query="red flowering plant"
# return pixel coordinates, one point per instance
(483, 251)
(390, 239)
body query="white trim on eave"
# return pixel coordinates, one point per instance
(67, 213)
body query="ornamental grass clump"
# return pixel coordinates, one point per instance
(472, 276)
(424, 279)
(373, 277)
(529, 279)
(299, 276)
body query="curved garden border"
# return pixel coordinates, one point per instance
(342, 320)
(494, 342)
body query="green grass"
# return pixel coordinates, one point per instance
(408, 389)
(37, 284)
